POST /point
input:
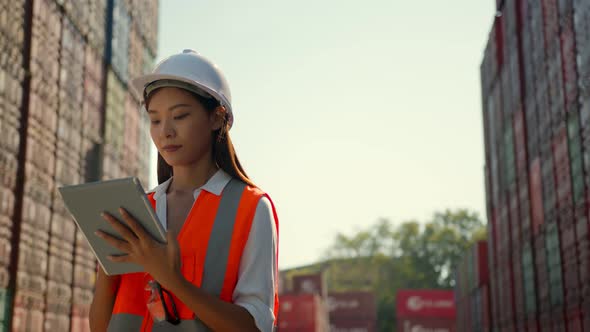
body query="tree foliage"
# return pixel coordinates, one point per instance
(386, 257)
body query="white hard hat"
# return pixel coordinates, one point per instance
(192, 68)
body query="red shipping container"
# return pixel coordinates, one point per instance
(536, 193)
(352, 306)
(352, 326)
(533, 324)
(520, 144)
(550, 21)
(302, 312)
(310, 284)
(575, 320)
(470, 319)
(425, 324)
(28, 313)
(568, 58)
(562, 169)
(463, 313)
(481, 256)
(515, 221)
(567, 227)
(426, 304)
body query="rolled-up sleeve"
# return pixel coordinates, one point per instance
(256, 284)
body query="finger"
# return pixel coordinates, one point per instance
(120, 258)
(134, 225)
(121, 228)
(113, 241)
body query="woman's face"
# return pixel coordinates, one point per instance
(178, 119)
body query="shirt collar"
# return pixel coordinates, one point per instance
(214, 185)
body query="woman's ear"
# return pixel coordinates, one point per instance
(219, 114)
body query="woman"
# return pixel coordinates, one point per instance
(218, 270)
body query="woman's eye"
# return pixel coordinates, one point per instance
(155, 121)
(181, 117)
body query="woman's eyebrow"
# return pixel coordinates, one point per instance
(172, 108)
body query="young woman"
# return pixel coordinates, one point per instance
(218, 269)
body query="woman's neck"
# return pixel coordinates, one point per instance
(190, 177)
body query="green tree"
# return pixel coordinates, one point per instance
(385, 258)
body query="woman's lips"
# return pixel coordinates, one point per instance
(172, 148)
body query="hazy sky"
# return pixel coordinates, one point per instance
(345, 113)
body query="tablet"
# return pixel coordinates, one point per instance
(85, 203)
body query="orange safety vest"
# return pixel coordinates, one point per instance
(212, 242)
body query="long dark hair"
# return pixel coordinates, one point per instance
(224, 153)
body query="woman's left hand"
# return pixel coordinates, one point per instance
(161, 261)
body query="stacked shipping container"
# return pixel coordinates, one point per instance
(304, 307)
(303, 312)
(536, 117)
(11, 84)
(58, 126)
(472, 290)
(425, 310)
(352, 311)
(131, 53)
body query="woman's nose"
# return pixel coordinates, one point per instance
(168, 129)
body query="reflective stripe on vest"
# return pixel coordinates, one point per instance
(212, 242)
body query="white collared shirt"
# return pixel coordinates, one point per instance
(257, 272)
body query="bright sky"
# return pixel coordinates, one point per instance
(345, 113)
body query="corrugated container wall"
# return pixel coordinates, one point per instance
(71, 120)
(535, 78)
(472, 290)
(303, 312)
(352, 311)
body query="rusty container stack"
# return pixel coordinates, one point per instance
(66, 117)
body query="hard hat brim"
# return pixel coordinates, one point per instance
(138, 85)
